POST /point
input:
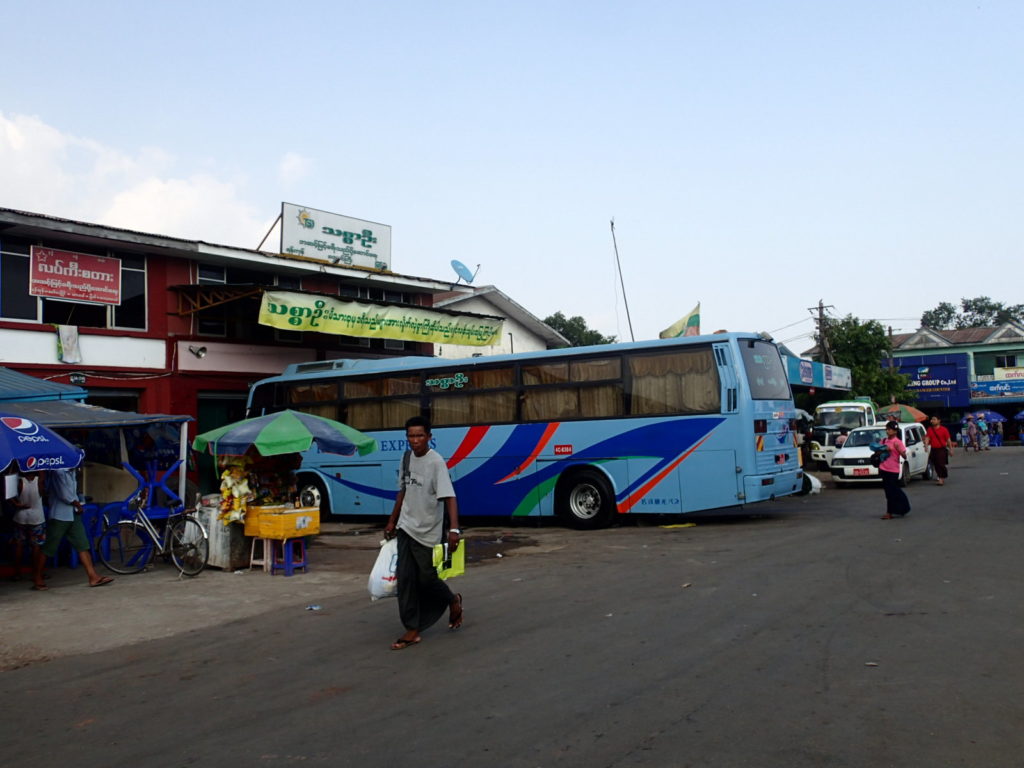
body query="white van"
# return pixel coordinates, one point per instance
(852, 462)
(829, 418)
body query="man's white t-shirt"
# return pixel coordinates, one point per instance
(427, 483)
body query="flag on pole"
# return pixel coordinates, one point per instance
(687, 326)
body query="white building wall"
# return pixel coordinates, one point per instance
(217, 356)
(40, 348)
(515, 337)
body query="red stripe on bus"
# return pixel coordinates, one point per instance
(549, 432)
(630, 502)
(469, 442)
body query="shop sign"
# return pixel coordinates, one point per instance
(996, 389)
(935, 383)
(837, 377)
(303, 312)
(1002, 374)
(808, 372)
(938, 381)
(72, 276)
(335, 238)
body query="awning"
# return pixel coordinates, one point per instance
(103, 445)
(67, 414)
(20, 386)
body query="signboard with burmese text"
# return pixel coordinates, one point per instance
(324, 314)
(335, 238)
(70, 276)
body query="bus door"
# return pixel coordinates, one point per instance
(709, 476)
(355, 487)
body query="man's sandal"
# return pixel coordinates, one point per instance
(401, 643)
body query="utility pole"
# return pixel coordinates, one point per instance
(622, 283)
(824, 348)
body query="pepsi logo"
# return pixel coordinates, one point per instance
(43, 462)
(19, 425)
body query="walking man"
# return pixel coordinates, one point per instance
(66, 520)
(423, 486)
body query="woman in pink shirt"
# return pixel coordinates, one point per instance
(896, 502)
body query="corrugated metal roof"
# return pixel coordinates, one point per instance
(20, 386)
(969, 335)
(69, 413)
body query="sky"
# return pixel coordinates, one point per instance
(756, 157)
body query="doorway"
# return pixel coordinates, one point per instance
(215, 409)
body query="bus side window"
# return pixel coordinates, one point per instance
(682, 381)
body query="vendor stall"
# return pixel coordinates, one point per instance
(257, 459)
(149, 442)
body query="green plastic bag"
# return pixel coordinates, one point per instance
(456, 566)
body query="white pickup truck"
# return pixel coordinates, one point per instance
(829, 418)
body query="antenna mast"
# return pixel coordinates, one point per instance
(625, 301)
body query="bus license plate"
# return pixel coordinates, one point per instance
(864, 472)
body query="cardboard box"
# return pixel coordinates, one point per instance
(281, 522)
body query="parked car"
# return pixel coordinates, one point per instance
(852, 462)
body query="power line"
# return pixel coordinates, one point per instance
(794, 338)
(804, 320)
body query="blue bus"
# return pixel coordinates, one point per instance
(584, 433)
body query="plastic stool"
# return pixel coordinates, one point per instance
(289, 555)
(266, 558)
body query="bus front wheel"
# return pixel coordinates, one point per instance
(585, 500)
(313, 494)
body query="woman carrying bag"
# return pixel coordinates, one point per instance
(896, 502)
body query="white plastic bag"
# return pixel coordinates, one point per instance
(383, 581)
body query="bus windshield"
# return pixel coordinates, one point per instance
(585, 433)
(845, 418)
(765, 372)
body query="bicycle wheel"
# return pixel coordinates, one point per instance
(190, 548)
(125, 547)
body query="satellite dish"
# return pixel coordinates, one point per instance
(463, 271)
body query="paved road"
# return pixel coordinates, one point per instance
(819, 636)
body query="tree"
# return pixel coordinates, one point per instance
(980, 312)
(943, 316)
(576, 331)
(864, 347)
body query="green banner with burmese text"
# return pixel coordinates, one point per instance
(303, 312)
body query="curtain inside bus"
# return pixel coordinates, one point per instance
(681, 381)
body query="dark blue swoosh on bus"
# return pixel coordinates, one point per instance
(663, 440)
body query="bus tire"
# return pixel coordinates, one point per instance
(584, 500)
(312, 493)
(805, 486)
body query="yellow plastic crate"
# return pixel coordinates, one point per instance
(282, 522)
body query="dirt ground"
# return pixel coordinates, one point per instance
(71, 618)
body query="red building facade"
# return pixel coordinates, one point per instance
(184, 337)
